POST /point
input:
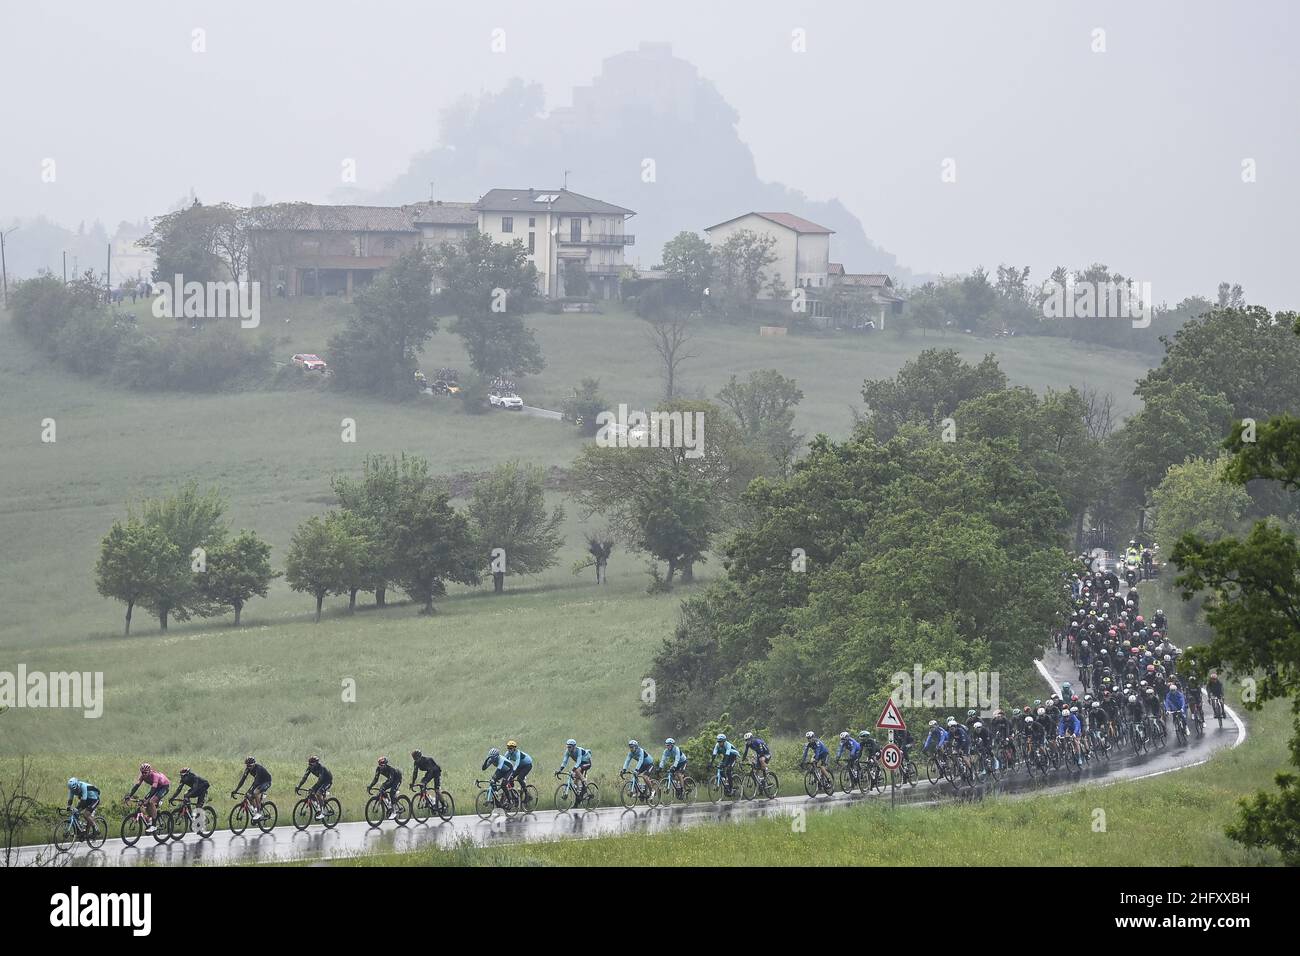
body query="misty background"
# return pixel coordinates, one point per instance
(1063, 156)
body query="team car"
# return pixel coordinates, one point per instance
(312, 363)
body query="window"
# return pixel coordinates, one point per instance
(575, 229)
(507, 223)
(532, 243)
(532, 222)
(389, 242)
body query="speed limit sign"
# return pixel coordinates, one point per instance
(891, 757)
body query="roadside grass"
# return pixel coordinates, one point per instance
(1176, 819)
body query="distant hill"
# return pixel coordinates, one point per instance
(644, 104)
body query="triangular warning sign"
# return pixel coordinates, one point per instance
(890, 718)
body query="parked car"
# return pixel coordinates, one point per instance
(441, 385)
(312, 363)
(504, 398)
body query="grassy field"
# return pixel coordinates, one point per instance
(1171, 820)
(572, 654)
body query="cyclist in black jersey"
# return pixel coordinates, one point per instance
(392, 781)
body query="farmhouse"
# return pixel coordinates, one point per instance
(802, 247)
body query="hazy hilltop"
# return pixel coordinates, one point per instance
(645, 105)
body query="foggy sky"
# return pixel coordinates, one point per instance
(1063, 156)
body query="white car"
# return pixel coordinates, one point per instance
(312, 363)
(499, 398)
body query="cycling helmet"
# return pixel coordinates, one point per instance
(952, 721)
(511, 745)
(145, 768)
(1151, 690)
(970, 713)
(721, 737)
(844, 735)
(313, 759)
(1029, 720)
(249, 761)
(1096, 704)
(570, 742)
(632, 745)
(1085, 644)
(670, 742)
(933, 723)
(383, 761)
(1132, 698)
(184, 771)
(416, 755)
(1159, 612)
(749, 735)
(977, 725)
(73, 782)
(864, 735)
(1173, 686)
(1074, 710)
(494, 752)
(810, 735)
(1042, 711)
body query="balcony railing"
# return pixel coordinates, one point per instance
(604, 270)
(599, 239)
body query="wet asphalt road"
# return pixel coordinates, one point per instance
(355, 839)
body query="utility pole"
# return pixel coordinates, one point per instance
(108, 275)
(4, 268)
(65, 266)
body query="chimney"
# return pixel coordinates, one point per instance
(530, 192)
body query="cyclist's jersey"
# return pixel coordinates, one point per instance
(579, 756)
(499, 761)
(639, 756)
(937, 735)
(852, 746)
(390, 774)
(1001, 726)
(1069, 724)
(1174, 700)
(981, 736)
(758, 745)
(726, 751)
(519, 758)
(84, 791)
(1215, 688)
(673, 758)
(960, 737)
(425, 764)
(193, 781)
(819, 750)
(1135, 711)
(153, 778)
(317, 770)
(1036, 731)
(259, 774)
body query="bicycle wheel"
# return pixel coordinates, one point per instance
(303, 813)
(715, 790)
(207, 824)
(333, 811)
(239, 819)
(846, 780)
(483, 805)
(422, 807)
(162, 826)
(811, 785)
(132, 829)
(910, 776)
(403, 810)
(270, 814)
(932, 771)
(65, 835)
(446, 806)
(98, 833)
(180, 825)
(771, 786)
(531, 798)
(563, 798)
(689, 791)
(376, 812)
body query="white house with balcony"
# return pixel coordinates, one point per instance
(573, 240)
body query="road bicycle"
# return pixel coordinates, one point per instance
(191, 818)
(850, 777)
(817, 780)
(491, 797)
(137, 822)
(677, 786)
(1157, 732)
(1071, 750)
(424, 808)
(1216, 704)
(756, 783)
(314, 806)
(74, 829)
(1198, 717)
(574, 794)
(723, 784)
(986, 764)
(1180, 727)
(241, 814)
(383, 807)
(636, 790)
(939, 767)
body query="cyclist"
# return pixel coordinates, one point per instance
(495, 758)
(523, 767)
(853, 747)
(1069, 726)
(725, 756)
(1175, 702)
(904, 739)
(982, 739)
(640, 762)
(257, 787)
(674, 762)
(1035, 734)
(762, 754)
(935, 738)
(158, 787)
(321, 788)
(581, 758)
(87, 796)
(392, 782)
(198, 787)
(820, 752)
(429, 767)
(959, 740)
(1214, 687)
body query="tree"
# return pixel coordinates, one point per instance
(584, 405)
(508, 511)
(489, 287)
(327, 556)
(238, 570)
(600, 545)
(199, 243)
(576, 283)
(433, 545)
(927, 389)
(136, 563)
(1178, 421)
(763, 407)
(193, 522)
(739, 264)
(1194, 498)
(688, 259)
(669, 333)
(377, 351)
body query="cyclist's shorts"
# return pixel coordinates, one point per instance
(585, 766)
(88, 804)
(260, 787)
(199, 795)
(157, 792)
(322, 784)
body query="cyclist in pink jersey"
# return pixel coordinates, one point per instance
(158, 787)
